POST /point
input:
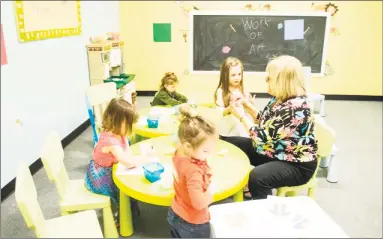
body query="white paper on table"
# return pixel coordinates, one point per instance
(164, 119)
(122, 170)
(170, 151)
(142, 120)
(166, 180)
(147, 150)
(161, 111)
(294, 29)
(222, 152)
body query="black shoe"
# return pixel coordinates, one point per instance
(246, 197)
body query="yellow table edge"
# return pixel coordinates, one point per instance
(126, 226)
(166, 201)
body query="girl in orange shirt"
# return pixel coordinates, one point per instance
(188, 215)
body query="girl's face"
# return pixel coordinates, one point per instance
(205, 149)
(235, 76)
(171, 88)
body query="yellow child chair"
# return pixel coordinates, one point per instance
(99, 96)
(72, 193)
(326, 139)
(79, 225)
(208, 105)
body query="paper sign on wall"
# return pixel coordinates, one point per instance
(294, 29)
(162, 32)
(4, 60)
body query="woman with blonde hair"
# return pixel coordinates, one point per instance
(282, 144)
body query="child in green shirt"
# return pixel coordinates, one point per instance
(167, 95)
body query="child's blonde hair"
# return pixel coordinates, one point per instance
(117, 113)
(286, 77)
(224, 77)
(194, 129)
(168, 79)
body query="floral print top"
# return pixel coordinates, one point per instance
(286, 131)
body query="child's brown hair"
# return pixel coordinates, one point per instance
(194, 129)
(168, 79)
(224, 79)
(117, 113)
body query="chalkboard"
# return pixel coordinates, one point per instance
(255, 38)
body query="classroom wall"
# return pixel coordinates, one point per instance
(355, 54)
(44, 84)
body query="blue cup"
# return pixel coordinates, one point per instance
(152, 122)
(153, 171)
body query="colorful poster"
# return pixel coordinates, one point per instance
(40, 20)
(4, 60)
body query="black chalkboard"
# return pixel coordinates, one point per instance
(255, 39)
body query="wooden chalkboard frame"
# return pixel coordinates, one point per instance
(248, 13)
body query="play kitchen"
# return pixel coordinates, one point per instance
(106, 64)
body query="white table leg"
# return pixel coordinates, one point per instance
(321, 111)
(324, 162)
(332, 174)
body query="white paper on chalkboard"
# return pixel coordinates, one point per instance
(294, 29)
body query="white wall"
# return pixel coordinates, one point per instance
(44, 84)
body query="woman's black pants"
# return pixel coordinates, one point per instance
(271, 173)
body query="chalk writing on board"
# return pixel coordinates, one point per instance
(254, 29)
(254, 49)
(255, 39)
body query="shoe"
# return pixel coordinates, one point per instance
(117, 219)
(247, 197)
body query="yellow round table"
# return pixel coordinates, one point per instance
(230, 174)
(168, 123)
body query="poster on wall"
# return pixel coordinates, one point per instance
(4, 60)
(40, 20)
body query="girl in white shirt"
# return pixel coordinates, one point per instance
(230, 90)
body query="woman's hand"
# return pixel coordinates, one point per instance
(251, 99)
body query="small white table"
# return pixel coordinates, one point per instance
(274, 217)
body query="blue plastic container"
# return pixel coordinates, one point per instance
(152, 122)
(153, 171)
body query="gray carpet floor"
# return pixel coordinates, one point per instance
(355, 202)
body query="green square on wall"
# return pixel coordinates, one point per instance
(162, 32)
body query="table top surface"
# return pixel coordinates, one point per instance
(296, 217)
(230, 173)
(168, 123)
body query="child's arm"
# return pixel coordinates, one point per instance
(124, 157)
(165, 97)
(200, 199)
(181, 97)
(219, 102)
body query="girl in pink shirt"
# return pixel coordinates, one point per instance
(112, 147)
